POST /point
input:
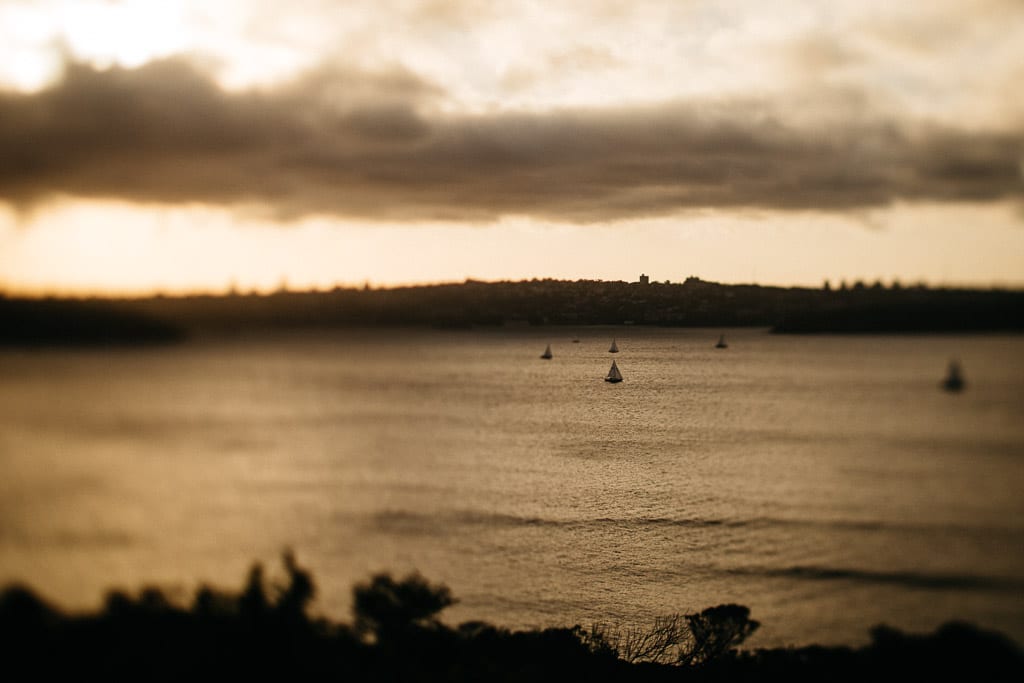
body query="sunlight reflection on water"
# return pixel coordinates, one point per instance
(826, 482)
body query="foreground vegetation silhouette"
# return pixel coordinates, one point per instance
(265, 631)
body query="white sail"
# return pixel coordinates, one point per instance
(613, 374)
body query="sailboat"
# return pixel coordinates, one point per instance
(954, 379)
(614, 348)
(547, 353)
(721, 342)
(613, 374)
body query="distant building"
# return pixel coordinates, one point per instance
(645, 279)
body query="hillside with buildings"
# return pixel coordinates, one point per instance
(692, 303)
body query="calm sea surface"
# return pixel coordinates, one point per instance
(825, 482)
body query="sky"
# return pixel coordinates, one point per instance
(194, 146)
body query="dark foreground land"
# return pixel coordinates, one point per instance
(73, 322)
(265, 632)
(693, 303)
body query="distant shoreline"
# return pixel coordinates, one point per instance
(534, 303)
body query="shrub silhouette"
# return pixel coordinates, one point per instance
(955, 651)
(716, 632)
(261, 632)
(386, 608)
(661, 643)
(691, 639)
(294, 597)
(253, 602)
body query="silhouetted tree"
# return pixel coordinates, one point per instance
(599, 639)
(20, 606)
(717, 631)
(385, 607)
(211, 603)
(253, 603)
(149, 606)
(153, 601)
(295, 597)
(144, 636)
(690, 640)
(661, 643)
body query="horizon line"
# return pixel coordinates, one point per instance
(232, 289)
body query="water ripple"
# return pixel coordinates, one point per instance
(906, 579)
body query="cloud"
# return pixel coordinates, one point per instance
(381, 145)
(569, 63)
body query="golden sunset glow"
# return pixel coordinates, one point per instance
(184, 146)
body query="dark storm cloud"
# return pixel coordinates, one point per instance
(380, 146)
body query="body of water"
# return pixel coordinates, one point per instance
(826, 482)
